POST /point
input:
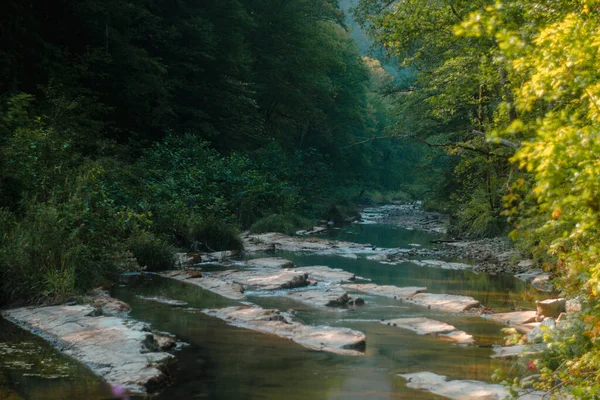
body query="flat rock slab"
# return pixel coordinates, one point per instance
(323, 338)
(517, 350)
(163, 300)
(268, 279)
(390, 291)
(114, 348)
(444, 302)
(426, 326)
(228, 289)
(462, 390)
(442, 264)
(513, 318)
(328, 275)
(334, 297)
(270, 262)
(279, 241)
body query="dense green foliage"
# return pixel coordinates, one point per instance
(131, 130)
(509, 90)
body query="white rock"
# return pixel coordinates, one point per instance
(461, 389)
(324, 338)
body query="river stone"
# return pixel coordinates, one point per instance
(551, 308)
(426, 326)
(333, 297)
(228, 289)
(265, 279)
(328, 275)
(108, 306)
(110, 346)
(462, 389)
(444, 302)
(271, 262)
(517, 350)
(323, 338)
(542, 283)
(394, 292)
(537, 333)
(514, 318)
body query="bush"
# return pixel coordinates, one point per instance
(285, 223)
(210, 233)
(150, 251)
(477, 218)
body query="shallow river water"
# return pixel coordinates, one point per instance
(223, 362)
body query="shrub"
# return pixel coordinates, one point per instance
(150, 251)
(285, 223)
(210, 233)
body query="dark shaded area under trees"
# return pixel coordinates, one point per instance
(131, 129)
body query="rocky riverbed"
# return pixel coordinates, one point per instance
(129, 355)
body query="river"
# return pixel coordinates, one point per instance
(224, 362)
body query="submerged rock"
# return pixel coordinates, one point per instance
(271, 262)
(426, 326)
(323, 338)
(112, 347)
(163, 300)
(462, 389)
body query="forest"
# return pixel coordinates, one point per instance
(130, 131)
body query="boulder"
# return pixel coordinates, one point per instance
(542, 283)
(323, 338)
(536, 334)
(551, 308)
(573, 305)
(105, 305)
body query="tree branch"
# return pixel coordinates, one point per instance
(503, 142)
